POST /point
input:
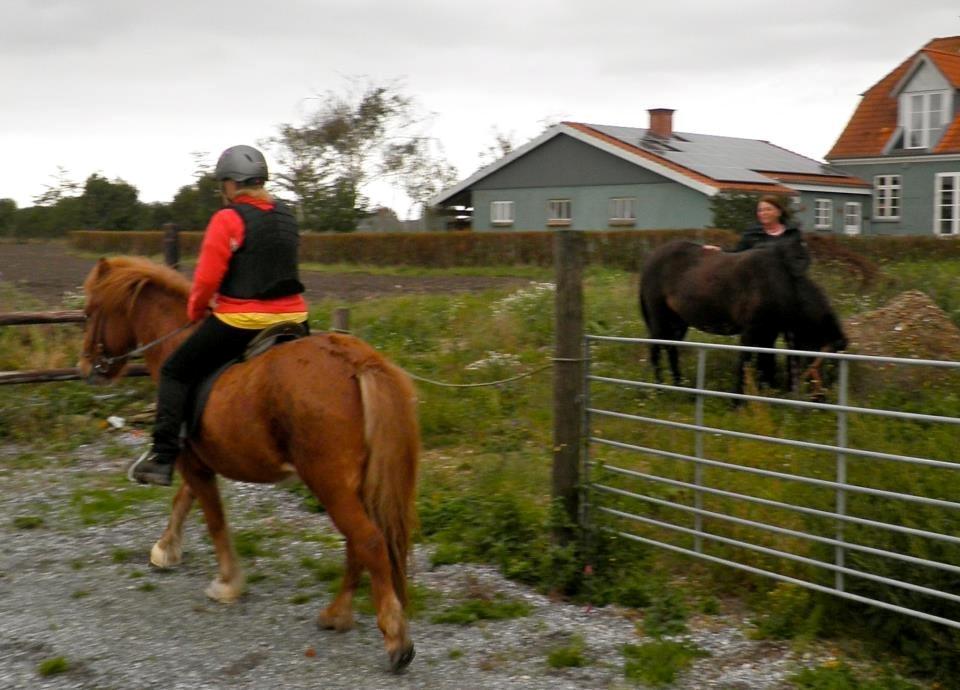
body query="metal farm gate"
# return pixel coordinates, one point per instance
(810, 493)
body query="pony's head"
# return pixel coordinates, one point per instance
(112, 289)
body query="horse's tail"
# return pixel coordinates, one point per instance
(393, 446)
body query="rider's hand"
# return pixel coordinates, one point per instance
(711, 247)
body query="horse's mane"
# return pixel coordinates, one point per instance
(120, 279)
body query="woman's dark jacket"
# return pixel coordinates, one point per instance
(755, 237)
(790, 246)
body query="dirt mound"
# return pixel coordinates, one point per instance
(910, 325)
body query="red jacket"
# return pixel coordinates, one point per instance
(223, 236)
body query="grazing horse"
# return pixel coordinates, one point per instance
(759, 293)
(327, 408)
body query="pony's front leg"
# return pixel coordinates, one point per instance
(168, 551)
(228, 585)
(673, 354)
(743, 360)
(655, 361)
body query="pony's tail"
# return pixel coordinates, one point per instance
(393, 446)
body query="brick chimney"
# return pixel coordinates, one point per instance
(661, 122)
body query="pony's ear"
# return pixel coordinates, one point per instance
(103, 267)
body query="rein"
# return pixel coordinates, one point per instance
(101, 364)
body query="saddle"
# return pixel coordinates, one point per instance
(282, 332)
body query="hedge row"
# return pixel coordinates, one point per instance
(622, 248)
(618, 248)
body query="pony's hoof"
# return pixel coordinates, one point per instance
(330, 621)
(165, 558)
(401, 658)
(223, 592)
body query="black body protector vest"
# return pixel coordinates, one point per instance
(265, 265)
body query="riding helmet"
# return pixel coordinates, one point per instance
(241, 163)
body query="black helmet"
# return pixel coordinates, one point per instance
(241, 163)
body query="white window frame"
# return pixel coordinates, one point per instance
(501, 213)
(916, 106)
(823, 214)
(939, 206)
(559, 212)
(622, 210)
(887, 195)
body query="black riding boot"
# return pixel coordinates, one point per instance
(156, 465)
(153, 468)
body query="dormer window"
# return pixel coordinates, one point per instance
(923, 116)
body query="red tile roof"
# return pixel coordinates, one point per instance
(873, 122)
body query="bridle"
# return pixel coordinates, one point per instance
(101, 363)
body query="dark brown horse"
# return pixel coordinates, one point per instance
(759, 293)
(327, 408)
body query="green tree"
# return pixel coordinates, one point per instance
(193, 204)
(372, 132)
(154, 215)
(62, 188)
(424, 172)
(734, 210)
(109, 205)
(8, 215)
(503, 144)
(738, 210)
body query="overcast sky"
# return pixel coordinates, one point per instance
(131, 89)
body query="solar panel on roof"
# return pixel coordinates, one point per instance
(723, 158)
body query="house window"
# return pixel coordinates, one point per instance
(925, 115)
(501, 212)
(558, 212)
(947, 204)
(886, 197)
(623, 210)
(823, 214)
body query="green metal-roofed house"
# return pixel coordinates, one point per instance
(595, 177)
(904, 137)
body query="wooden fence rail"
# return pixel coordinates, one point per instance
(171, 254)
(22, 318)
(27, 318)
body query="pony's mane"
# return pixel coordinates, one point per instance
(118, 280)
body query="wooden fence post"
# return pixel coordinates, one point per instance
(569, 259)
(171, 245)
(341, 320)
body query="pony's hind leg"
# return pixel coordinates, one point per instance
(369, 550)
(228, 585)
(168, 551)
(339, 614)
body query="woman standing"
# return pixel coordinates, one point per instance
(773, 225)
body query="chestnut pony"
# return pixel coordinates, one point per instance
(327, 408)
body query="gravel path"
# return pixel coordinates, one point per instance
(84, 592)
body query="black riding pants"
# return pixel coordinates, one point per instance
(212, 345)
